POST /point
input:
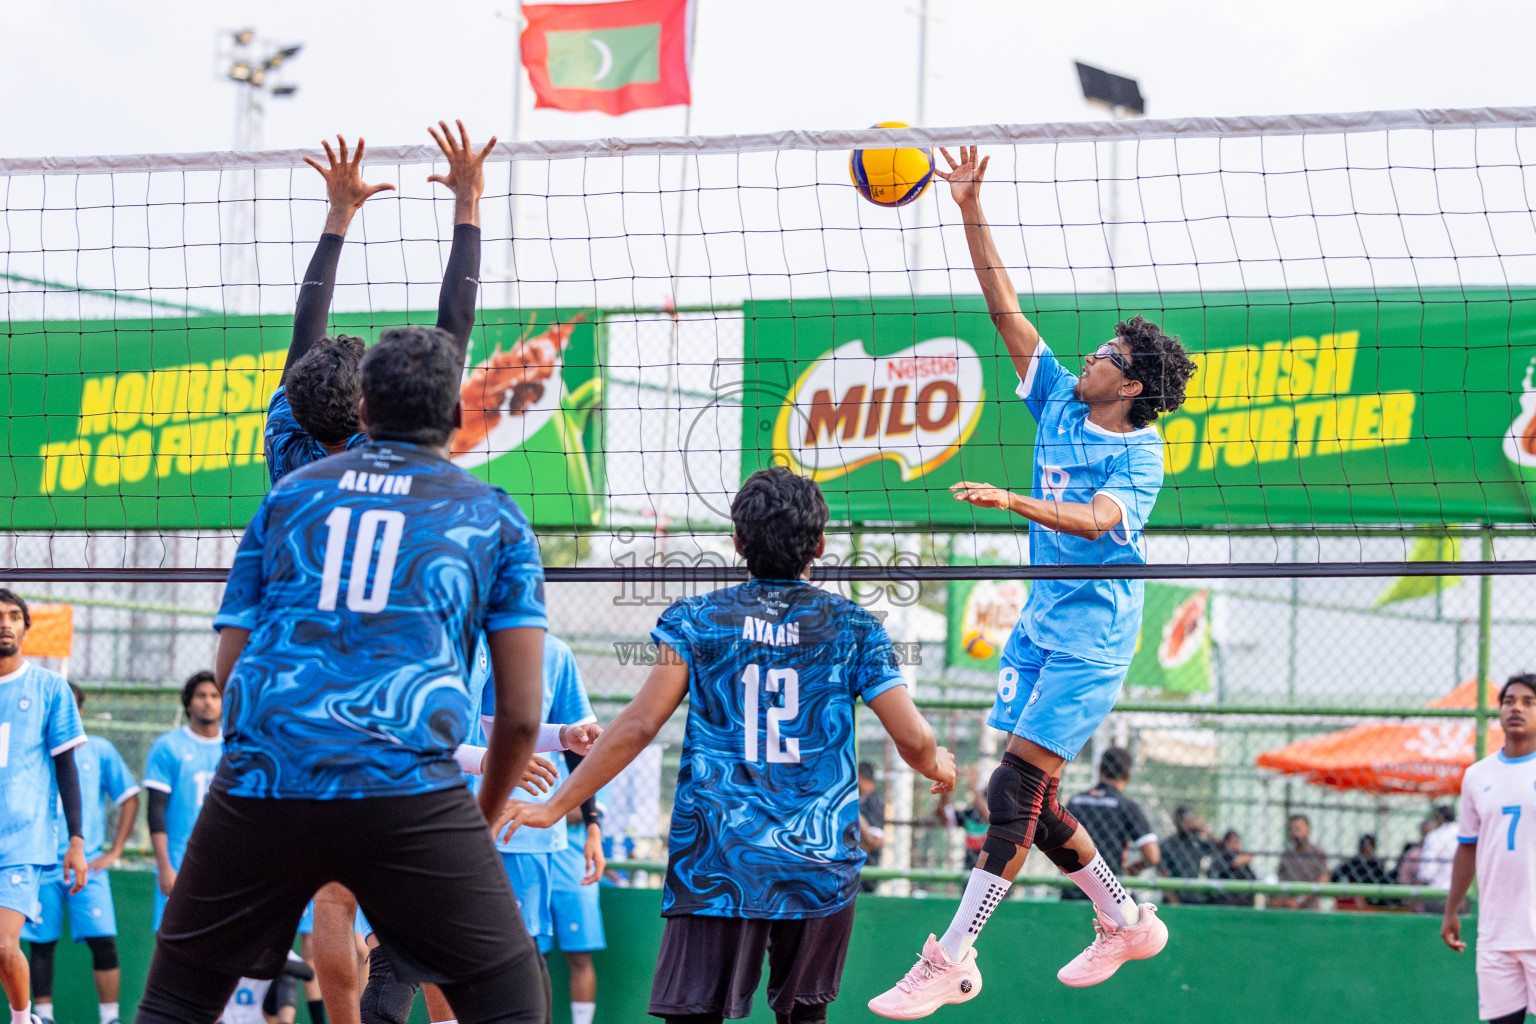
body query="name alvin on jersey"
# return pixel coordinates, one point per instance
(375, 483)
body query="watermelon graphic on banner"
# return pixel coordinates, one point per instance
(1173, 653)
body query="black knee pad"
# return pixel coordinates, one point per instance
(41, 961)
(281, 994)
(1055, 830)
(386, 999)
(1015, 795)
(103, 952)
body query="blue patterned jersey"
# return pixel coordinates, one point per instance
(565, 702)
(364, 579)
(38, 721)
(765, 822)
(287, 445)
(104, 776)
(1073, 461)
(182, 765)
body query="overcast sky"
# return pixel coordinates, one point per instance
(93, 76)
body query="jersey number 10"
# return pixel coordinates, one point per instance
(781, 749)
(359, 597)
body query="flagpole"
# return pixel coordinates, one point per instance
(670, 393)
(514, 288)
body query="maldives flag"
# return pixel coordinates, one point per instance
(613, 57)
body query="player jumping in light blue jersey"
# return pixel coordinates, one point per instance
(39, 732)
(177, 774)
(104, 777)
(1098, 465)
(764, 843)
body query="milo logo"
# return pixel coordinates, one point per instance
(916, 407)
(991, 611)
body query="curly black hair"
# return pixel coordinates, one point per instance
(411, 381)
(1160, 363)
(323, 388)
(779, 519)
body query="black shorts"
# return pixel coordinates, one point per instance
(423, 868)
(713, 964)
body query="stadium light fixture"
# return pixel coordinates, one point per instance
(244, 37)
(284, 90)
(282, 55)
(240, 71)
(1120, 94)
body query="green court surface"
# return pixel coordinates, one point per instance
(1221, 964)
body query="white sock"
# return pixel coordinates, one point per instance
(1108, 895)
(453, 1021)
(108, 1012)
(23, 1016)
(983, 892)
(581, 1013)
(43, 1008)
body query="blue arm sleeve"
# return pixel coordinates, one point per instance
(247, 577)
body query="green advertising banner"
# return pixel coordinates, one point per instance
(981, 615)
(1310, 408)
(1173, 652)
(157, 424)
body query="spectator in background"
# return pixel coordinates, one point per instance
(1362, 869)
(1436, 854)
(871, 821)
(1187, 854)
(1302, 861)
(1409, 862)
(1230, 861)
(1114, 821)
(972, 818)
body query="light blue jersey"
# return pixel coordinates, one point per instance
(1074, 460)
(38, 721)
(104, 776)
(182, 765)
(565, 702)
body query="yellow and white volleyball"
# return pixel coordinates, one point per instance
(977, 645)
(891, 177)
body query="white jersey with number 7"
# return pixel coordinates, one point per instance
(1498, 813)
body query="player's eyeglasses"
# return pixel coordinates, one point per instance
(1108, 351)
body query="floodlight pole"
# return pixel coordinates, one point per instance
(254, 77)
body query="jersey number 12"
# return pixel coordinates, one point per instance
(359, 597)
(781, 749)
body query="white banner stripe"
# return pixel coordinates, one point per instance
(841, 139)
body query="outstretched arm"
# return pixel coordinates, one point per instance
(346, 190)
(461, 279)
(1089, 520)
(1019, 335)
(634, 728)
(913, 737)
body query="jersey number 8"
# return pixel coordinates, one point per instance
(359, 597)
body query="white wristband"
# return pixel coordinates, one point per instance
(470, 758)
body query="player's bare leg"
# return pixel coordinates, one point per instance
(583, 986)
(15, 974)
(1024, 812)
(438, 1010)
(336, 953)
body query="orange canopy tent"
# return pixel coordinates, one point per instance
(52, 633)
(1400, 757)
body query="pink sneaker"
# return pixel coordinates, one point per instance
(934, 981)
(1113, 946)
